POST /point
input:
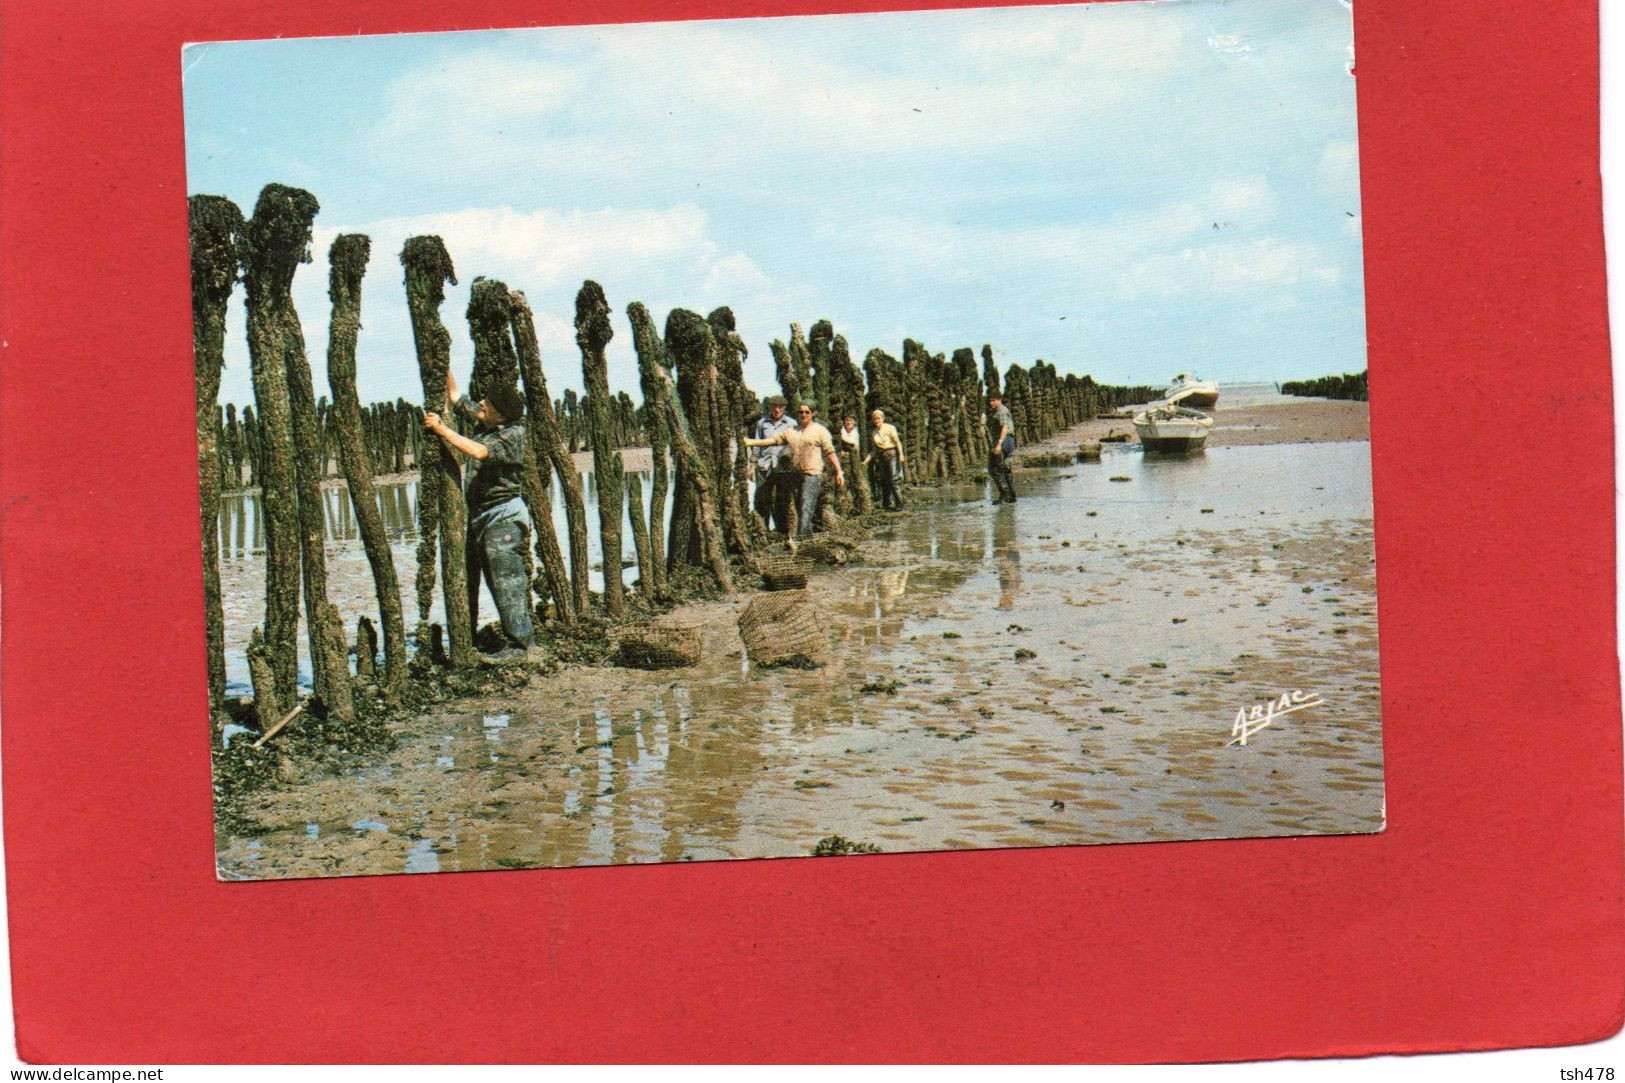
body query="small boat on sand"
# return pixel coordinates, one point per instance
(1172, 428)
(1186, 390)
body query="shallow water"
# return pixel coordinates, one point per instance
(1199, 586)
(350, 585)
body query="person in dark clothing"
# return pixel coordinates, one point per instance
(774, 478)
(1001, 439)
(498, 521)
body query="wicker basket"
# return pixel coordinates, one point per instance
(781, 629)
(826, 548)
(785, 571)
(660, 646)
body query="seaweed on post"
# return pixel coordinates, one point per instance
(428, 268)
(544, 445)
(654, 425)
(267, 704)
(214, 226)
(292, 211)
(745, 533)
(347, 261)
(273, 243)
(684, 333)
(593, 333)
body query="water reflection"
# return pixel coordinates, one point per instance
(1008, 554)
(242, 528)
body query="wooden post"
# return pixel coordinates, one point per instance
(347, 260)
(266, 700)
(214, 224)
(542, 432)
(593, 333)
(289, 213)
(273, 244)
(682, 328)
(366, 650)
(741, 529)
(654, 424)
(640, 533)
(428, 268)
(339, 700)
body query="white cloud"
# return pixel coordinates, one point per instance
(1337, 175)
(1229, 269)
(1248, 200)
(779, 94)
(1099, 251)
(548, 246)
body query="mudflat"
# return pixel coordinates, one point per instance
(1065, 670)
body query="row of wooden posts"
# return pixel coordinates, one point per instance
(1350, 385)
(392, 436)
(695, 408)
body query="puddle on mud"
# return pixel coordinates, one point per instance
(1201, 586)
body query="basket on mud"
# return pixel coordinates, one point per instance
(660, 646)
(826, 548)
(781, 629)
(785, 571)
(845, 529)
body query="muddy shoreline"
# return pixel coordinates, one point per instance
(1063, 671)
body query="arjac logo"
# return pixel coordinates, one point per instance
(1249, 720)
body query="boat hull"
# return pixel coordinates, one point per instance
(1195, 397)
(1173, 445)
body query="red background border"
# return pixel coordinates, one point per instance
(1489, 914)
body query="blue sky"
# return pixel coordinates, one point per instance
(1127, 190)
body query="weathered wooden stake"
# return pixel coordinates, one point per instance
(266, 700)
(542, 433)
(272, 246)
(681, 327)
(347, 259)
(593, 333)
(428, 269)
(215, 223)
(654, 424)
(640, 533)
(366, 651)
(339, 699)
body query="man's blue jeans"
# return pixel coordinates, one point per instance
(496, 552)
(807, 507)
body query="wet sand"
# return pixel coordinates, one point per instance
(1067, 670)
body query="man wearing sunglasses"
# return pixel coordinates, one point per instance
(810, 446)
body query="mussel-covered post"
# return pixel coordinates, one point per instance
(274, 242)
(593, 333)
(654, 424)
(292, 211)
(542, 431)
(215, 224)
(741, 528)
(428, 268)
(682, 329)
(846, 397)
(267, 705)
(347, 261)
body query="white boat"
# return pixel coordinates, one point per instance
(1172, 428)
(1186, 390)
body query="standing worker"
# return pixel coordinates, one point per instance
(773, 475)
(498, 522)
(888, 456)
(809, 445)
(1001, 438)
